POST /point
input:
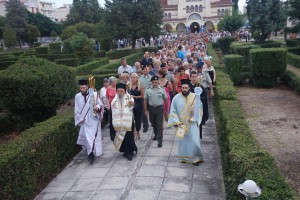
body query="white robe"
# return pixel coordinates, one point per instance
(90, 126)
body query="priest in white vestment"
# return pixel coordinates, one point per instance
(88, 114)
(186, 109)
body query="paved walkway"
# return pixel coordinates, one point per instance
(154, 173)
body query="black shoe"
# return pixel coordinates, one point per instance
(145, 130)
(129, 157)
(196, 164)
(159, 145)
(135, 151)
(91, 158)
(154, 138)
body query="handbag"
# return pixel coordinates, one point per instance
(180, 132)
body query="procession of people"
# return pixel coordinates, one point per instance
(172, 85)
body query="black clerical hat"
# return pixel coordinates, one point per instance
(121, 85)
(83, 81)
(185, 81)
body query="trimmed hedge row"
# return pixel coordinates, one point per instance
(267, 65)
(293, 59)
(55, 46)
(216, 63)
(242, 157)
(292, 43)
(270, 44)
(5, 64)
(119, 53)
(31, 160)
(243, 50)
(53, 57)
(224, 44)
(71, 62)
(233, 65)
(114, 66)
(87, 68)
(41, 50)
(294, 50)
(292, 80)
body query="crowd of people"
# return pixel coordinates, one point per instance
(173, 84)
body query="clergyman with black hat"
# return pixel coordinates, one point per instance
(88, 113)
(154, 98)
(186, 114)
(122, 121)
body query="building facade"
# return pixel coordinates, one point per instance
(193, 15)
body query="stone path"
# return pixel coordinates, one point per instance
(154, 173)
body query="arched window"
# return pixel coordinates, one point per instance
(219, 12)
(187, 9)
(223, 12)
(200, 8)
(192, 8)
(194, 16)
(226, 11)
(166, 15)
(196, 8)
(169, 15)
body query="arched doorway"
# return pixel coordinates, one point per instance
(167, 28)
(194, 27)
(209, 26)
(180, 28)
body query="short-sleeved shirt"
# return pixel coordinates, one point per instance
(145, 81)
(205, 79)
(155, 96)
(170, 77)
(121, 69)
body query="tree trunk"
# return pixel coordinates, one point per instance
(133, 43)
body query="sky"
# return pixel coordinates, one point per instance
(59, 3)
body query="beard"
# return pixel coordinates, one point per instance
(120, 95)
(185, 93)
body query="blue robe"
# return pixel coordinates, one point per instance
(189, 148)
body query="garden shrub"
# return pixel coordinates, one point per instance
(270, 44)
(87, 68)
(71, 62)
(5, 64)
(67, 47)
(233, 66)
(243, 50)
(294, 50)
(292, 80)
(99, 54)
(224, 44)
(215, 45)
(35, 87)
(292, 43)
(226, 92)
(55, 46)
(118, 53)
(83, 48)
(31, 160)
(53, 57)
(293, 59)
(41, 50)
(267, 65)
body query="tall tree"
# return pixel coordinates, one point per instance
(17, 18)
(266, 16)
(133, 18)
(84, 11)
(235, 5)
(2, 25)
(232, 22)
(9, 36)
(44, 24)
(294, 15)
(32, 34)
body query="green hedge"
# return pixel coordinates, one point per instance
(53, 57)
(45, 56)
(35, 87)
(5, 64)
(119, 53)
(267, 65)
(294, 50)
(224, 44)
(114, 66)
(233, 66)
(293, 59)
(71, 62)
(244, 159)
(98, 78)
(215, 45)
(270, 44)
(243, 50)
(41, 50)
(292, 80)
(292, 43)
(31, 160)
(99, 54)
(87, 68)
(55, 46)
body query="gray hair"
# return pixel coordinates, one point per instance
(112, 79)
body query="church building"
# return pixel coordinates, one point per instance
(193, 15)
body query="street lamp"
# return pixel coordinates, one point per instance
(249, 189)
